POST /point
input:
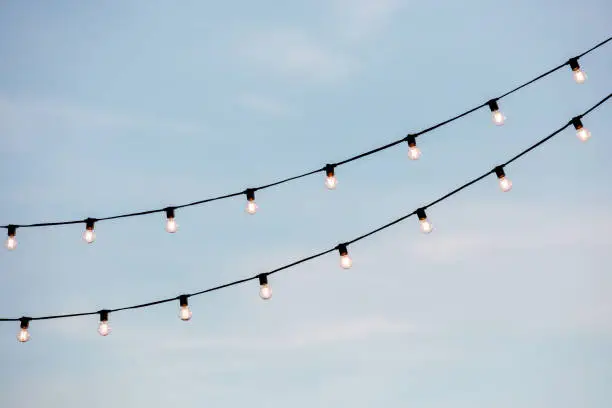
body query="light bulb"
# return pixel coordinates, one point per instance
(251, 207)
(345, 260)
(498, 117)
(104, 328)
(504, 182)
(425, 225)
(24, 334)
(184, 312)
(11, 241)
(579, 75)
(265, 291)
(413, 151)
(582, 132)
(330, 180)
(171, 225)
(89, 235)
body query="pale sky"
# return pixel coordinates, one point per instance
(133, 105)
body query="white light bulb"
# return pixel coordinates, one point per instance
(579, 76)
(89, 236)
(23, 335)
(505, 184)
(251, 207)
(331, 182)
(185, 313)
(11, 243)
(345, 261)
(498, 118)
(265, 291)
(426, 226)
(583, 134)
(414, 153)
(104, 329)
(171, 225)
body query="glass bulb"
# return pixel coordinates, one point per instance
(331, 182)
(582, 133)
(23, 336)
(414, 153)
(185, 313)
(171, 225)
(505, 184)
(104, 329)
(11, 243)
(426, 226)
(251, 207)
(498, 118)
(345, 261)
(265, 291)
(89, 236)
(580, 76)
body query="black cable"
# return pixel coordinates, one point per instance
(286, 180)
(320, 254)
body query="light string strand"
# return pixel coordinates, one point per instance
(341, 247)
(572, 62)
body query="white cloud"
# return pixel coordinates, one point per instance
(360, 18)
(265, 105)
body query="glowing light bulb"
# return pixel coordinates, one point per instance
(89, 235)
(171, 225)
(184, 312)
(330, 180)
(24, 334)
(582, 132)
(265, 291)
(413, 151)
(11, 241)
(425, 225)
(345, 260)
(498, 117)
(504, 182)
(104, 328)
(579, 75)
(251, 207)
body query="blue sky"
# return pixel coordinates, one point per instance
(137, 105)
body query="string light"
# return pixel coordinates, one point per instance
(24, 334)
(184, 311)
(104, 328)
(504, 182)
(171, 225)
(579, 75)
(251, 207)
(498, 117)
(345, 260)
(582, 132)
(11, 241)
(426, 226)
(265, 291)
(330, 180)
(413, 151)
(89, 235)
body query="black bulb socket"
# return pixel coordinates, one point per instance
(493, 105)
(24, 322)
(169, 212)
(12, 230)
(89, 223)
(329, 170)
(499, 172)
(573, 63)
(250, 194)
(342, 248)
(183, 300)
(411, 140)
(420, 212)
(577, 123)
(104, 315)
(263, 279)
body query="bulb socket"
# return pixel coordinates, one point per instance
(104, 315)
(183, 300)
(169, 212)
(573, 63)
(420, 212)
(24, 322)
(250, 194)
(499, 172)
(411, 140)
(89, 223)
(493, 105)
(263, 279)
(577, 123)
(329, 170)
(342, 248)
(12, 230)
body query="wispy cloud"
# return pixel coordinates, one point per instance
(264, 104)
(357, 19)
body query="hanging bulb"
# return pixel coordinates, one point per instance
(345, 260)
(498, 117)
(104, 329)
(413, 151)
(265, 291)
(11, 241)
(251, 207)
(579, 75)
(582, 132)
(24, 334)
(504, 182)
(426, 226)
(171, 225)
(330, 181)
(184, 311)
(89, 235)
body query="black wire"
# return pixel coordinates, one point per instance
(350, 159)
(320, 254)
